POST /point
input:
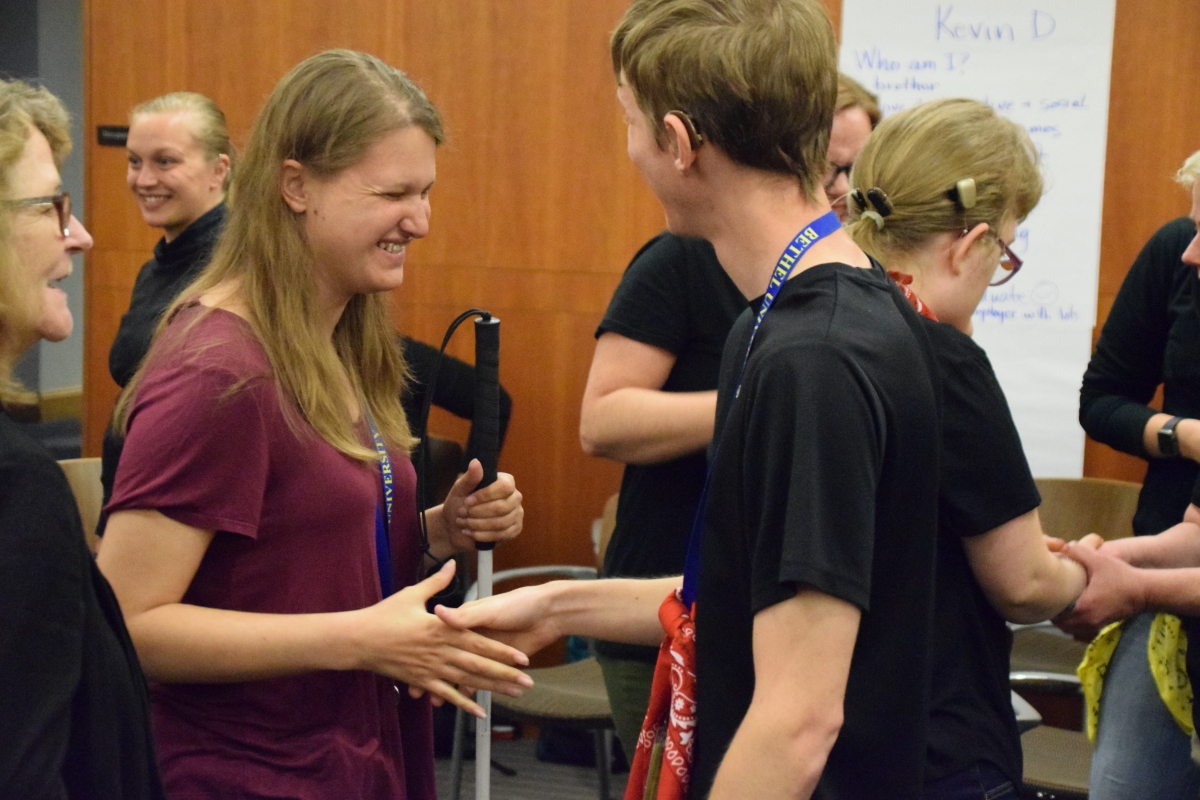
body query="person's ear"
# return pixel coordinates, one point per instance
(961, 249)
(682, 139)
(293, 180)
(221, 170)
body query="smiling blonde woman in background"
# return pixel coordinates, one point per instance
(73, 713)
(180, 162)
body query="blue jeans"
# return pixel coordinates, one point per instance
(1140, 751)
(980, 781)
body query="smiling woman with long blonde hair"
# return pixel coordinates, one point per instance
(264, 507)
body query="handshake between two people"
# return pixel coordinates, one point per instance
(1129, 576)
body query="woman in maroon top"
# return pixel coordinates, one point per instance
(242, 532)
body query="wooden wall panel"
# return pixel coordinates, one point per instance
(535, 213)
(1153, 125)
(537, 210)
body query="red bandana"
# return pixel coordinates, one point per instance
(662, 760)
(902, 281)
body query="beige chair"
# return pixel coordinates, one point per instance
(1074, 507)
(608, 523)
(84, 476)
(1057, 764)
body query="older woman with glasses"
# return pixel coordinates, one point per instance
(73, 708)
(937, 195)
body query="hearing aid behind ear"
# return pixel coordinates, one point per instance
(695, 138)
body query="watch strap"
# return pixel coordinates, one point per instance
(1168, 440)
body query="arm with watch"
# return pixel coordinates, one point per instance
(1151, 338)
(1169, 436)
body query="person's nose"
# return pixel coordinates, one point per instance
(78, 239)
(1191, 256)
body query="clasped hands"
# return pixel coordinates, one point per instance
(1113, 592)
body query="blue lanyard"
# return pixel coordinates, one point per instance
(820, 228)
(383, 515)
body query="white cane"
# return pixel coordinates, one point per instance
(487, 422)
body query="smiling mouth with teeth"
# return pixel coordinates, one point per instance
(391, 247)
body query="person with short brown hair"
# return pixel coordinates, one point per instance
(814, 584)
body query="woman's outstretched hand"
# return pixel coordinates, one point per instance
(520, 618)
(396, 637)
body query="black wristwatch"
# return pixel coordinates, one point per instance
(1168, 441)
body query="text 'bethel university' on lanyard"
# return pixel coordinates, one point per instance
(820, 228)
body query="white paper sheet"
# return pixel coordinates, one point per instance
(1046, 66)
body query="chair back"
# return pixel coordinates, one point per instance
(83, 474)
(1074, 507)
(608, 523)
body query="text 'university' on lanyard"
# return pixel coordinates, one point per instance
(383, 514)
(806, 238)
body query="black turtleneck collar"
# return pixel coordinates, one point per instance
(183, 248)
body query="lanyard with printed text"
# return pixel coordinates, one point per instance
(821, 227)
(383, 514)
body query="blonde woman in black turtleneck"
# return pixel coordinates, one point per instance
(180, 162)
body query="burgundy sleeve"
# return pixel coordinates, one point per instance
(197, 447)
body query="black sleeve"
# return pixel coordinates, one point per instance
(650, 303)
(813, 454)
(1127, 366)
(454, 390)
(985, 479)
(41, 625)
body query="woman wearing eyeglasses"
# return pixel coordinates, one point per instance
(937, 195)
(73, 710)
(180, 161)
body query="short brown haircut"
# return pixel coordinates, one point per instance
(757, 77)
(852, 94)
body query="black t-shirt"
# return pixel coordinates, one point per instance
(1151, 337)
(674, 296)
(985, 483)
(74, 714)
(826, 474)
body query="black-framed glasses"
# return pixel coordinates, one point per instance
(835, 170)
(61, 202)
(1010, 262)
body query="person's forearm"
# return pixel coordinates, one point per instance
(1175, 591)
(440, 546)
(1022, 579)
(1177, 546)
(615, 609)
(1187, 434)
(647, 426)
(766, 762)
(1054, 584)
(180, 643)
